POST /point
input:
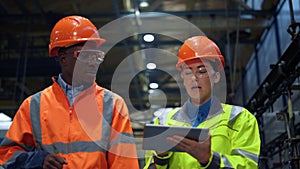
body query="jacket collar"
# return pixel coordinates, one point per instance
(182, 115)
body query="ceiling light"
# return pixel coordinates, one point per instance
(144, 4)
(151, 65)
(148, 38)
(153, 85)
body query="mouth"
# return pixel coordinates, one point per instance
(91, 73)
(195, 87)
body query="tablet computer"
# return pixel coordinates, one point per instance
(154, 137)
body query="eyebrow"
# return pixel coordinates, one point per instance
(197, 67)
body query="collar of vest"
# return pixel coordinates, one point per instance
(182, 114)
(85, 92)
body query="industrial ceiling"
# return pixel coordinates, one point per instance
(235, 25)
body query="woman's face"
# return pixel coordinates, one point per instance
(199, 79)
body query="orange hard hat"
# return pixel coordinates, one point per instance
(199, 47)
(71, 30)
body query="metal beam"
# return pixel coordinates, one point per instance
(281, 77)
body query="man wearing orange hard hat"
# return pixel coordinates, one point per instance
(74, 123)
(233, 140)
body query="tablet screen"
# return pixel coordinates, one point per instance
(154, 137)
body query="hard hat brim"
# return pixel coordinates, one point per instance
(71, 42)
(213, 58)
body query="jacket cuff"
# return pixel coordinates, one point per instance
(162, 160)
(214, 161)
(163, 157)
(34, 159)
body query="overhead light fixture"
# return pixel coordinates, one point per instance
(153, 85)
(151, 66)
(148, 38)
(144, 4)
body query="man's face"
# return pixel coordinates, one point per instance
(198, 79)
(82, 63)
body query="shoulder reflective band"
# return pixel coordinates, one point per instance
(235, 111)
(107, 116)
(35, 118)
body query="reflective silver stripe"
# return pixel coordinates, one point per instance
(34, 105)
(81, 146)
(246, 154)
(236, 110)
(7, 142)
(107, 116)
(35, 118)
(108, 111)
(227, 163)
(74, 147)
(123, 138)
(12, 159)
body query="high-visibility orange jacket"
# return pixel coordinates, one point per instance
(94, 133)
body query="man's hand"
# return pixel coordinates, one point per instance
(199, 150)
(53, 161)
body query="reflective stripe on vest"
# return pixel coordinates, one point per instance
(35, 118)
(7, 142)
(215, 163)
(108, 112)
(235, 111)
(246, 154)
(227, 164)
(77, 146)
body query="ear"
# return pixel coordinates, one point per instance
(62, 59)
(217, 77)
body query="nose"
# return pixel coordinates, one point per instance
(92, 60)
(194, 77)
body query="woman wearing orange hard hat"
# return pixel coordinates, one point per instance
(233, 140)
